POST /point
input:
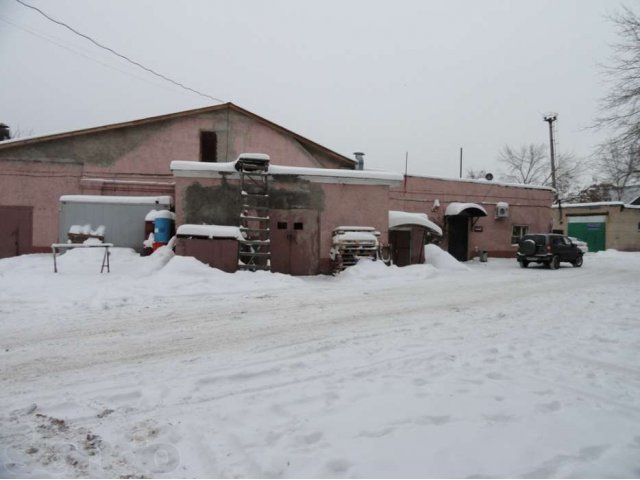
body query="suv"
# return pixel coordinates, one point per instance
(549, 249)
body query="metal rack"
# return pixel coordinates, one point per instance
(255, 249)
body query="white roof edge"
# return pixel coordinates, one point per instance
(398, 218)
(591, 204)
(202, 169)
(484, 182)
(138, 200)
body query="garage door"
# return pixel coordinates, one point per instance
(15, 230)
(591, 229)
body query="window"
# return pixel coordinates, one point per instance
(282, 225)
(518, 232)
(297, 226)
(208, 147)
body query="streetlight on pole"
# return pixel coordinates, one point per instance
(550, 118)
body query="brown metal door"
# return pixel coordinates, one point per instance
(294, 241)
(400, 247)
(15, 231)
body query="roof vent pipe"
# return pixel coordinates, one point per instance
(5, 134)
(360, 159)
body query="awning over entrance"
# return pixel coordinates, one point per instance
(398, 219)
(465, 210)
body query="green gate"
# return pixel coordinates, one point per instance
(594, 233)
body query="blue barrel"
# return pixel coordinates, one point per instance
(163, 226)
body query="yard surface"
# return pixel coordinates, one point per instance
(166, 368)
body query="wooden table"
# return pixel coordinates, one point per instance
(56, 248)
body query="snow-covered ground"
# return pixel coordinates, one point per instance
(167, 368)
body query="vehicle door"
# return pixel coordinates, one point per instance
(561, 246)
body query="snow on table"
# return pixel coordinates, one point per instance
(169, 368)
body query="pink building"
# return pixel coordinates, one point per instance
(477, 215)
(131, 158)
(313, 189)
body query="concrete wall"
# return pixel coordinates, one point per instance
(527, 206)
(622, 226)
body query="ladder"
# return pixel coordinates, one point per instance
(254, 251)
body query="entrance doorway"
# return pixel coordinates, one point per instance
(400, 241)
(294, 241)
(15, 231)
(458, 236)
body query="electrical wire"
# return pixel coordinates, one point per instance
(124, 57)
(77, 52)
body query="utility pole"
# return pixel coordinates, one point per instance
(550, 118)
(460, 162)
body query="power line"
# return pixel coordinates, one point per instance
(74, 51)
(124, 57)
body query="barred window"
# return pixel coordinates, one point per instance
(518, 232)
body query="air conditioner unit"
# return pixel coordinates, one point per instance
(502, 210)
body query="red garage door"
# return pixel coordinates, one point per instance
(15, 230)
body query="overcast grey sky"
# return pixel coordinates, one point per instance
(382, 77)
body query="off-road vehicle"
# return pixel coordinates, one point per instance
(549, 249)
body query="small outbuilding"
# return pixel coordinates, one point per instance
(603, 225)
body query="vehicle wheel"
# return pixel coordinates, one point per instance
(523, 263)
(578, 261)
(555, 262)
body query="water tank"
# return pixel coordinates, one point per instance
(164, 220)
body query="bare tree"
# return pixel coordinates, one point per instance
(476, 174)
(527, 164)
(621, 107)
(619, 165)
(530, 165)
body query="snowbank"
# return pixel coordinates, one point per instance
(168, 368)
(440, 259)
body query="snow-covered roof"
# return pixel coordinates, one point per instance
(210, 231)
(397, 218)
(161, 200)
(328, 175)
(355, 237)
(470, 209)
(354, 228)
(165, 214)
(596, 205)
(484, 182)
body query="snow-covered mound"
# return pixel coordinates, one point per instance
(168, 368)
(440, 259)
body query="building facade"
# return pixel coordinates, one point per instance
(603, 225)
(477, 215)
(131, 158)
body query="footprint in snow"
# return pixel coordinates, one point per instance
(549, 407)
(338, 465)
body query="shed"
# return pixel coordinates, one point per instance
(215, 245)
(408, 233)
(122, 216)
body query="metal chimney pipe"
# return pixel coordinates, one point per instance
(360, 159)
(5, 134)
